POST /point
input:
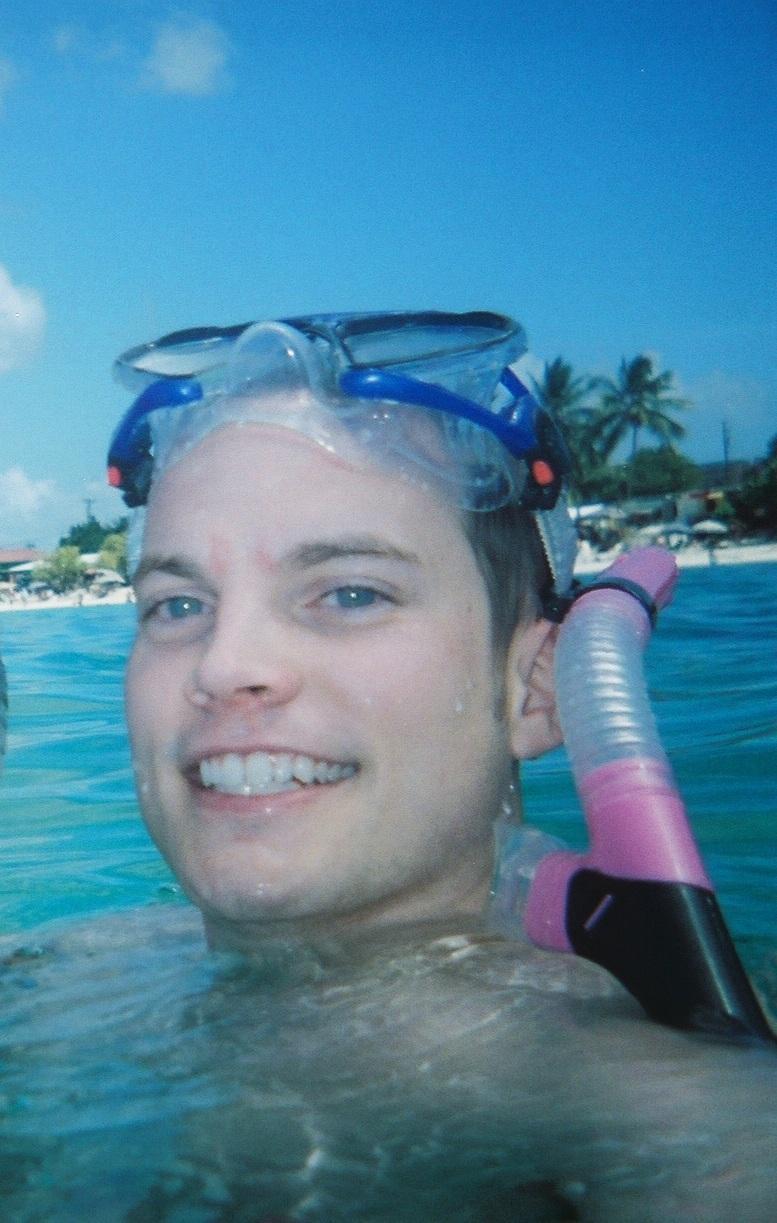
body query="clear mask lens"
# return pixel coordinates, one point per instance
(275, 375)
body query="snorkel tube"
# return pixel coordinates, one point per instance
(639, 902)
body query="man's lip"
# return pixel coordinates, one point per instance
(192, 758)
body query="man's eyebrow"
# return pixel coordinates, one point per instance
(305, 556)
(170, 566)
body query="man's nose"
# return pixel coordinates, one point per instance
(249, 655)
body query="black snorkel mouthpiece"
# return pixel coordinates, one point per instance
(668, 943)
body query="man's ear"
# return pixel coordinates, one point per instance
(531, 695)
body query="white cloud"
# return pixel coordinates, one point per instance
(72, 41)
(22, 322)
(65, 39)
(20, 495)
(8, 78)
(188, 56)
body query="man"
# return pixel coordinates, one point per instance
(341, 654)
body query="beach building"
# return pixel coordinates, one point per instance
(10, 558)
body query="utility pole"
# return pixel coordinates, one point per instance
(89, 502)
(726, 431)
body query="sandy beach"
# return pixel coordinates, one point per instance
(77, 598)
(694, 556)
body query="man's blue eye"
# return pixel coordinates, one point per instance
(182, 606)
(354, 597)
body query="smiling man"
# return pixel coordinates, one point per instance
(349, 549)
(332, 678)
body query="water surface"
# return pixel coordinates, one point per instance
(429, 1073)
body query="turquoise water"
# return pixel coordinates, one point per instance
(71, 841)
(427, 1075)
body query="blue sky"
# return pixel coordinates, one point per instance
(604, 171)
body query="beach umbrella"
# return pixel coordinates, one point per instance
(710, 526)
(663, 528)
(107, 577)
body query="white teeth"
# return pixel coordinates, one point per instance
(264, 773)
(232, 773)
(259, 770)
(305, 770)
(284, 769)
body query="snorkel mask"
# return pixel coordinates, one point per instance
(431, 395)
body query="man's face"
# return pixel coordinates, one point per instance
(314, 709)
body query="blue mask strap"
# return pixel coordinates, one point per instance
(525, 429)
(129, 457)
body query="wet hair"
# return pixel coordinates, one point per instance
(512, 563)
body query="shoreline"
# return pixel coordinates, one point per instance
(80, 598)
(694, 556)
(588, 562)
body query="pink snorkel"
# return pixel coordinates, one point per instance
(639, 902)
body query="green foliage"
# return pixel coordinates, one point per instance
(62, 571)
(89, 536)
(651, 473)
(605, 482)
(755, 503)
(597, 415)
(113, 554)
(724, 511)
(638, 399)
(560, 392)
(663, 470)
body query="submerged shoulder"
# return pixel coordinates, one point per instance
(64, 938)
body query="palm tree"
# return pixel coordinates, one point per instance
(564, 396)
(638, 399)
(559, 391)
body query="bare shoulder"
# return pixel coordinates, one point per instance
(435, 1072)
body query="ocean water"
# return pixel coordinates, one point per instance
(144, 1079)
(70, 837)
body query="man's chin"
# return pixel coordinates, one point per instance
(251, 903)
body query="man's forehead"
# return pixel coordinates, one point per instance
(280, 500)
(263, 445)
(244, 458)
